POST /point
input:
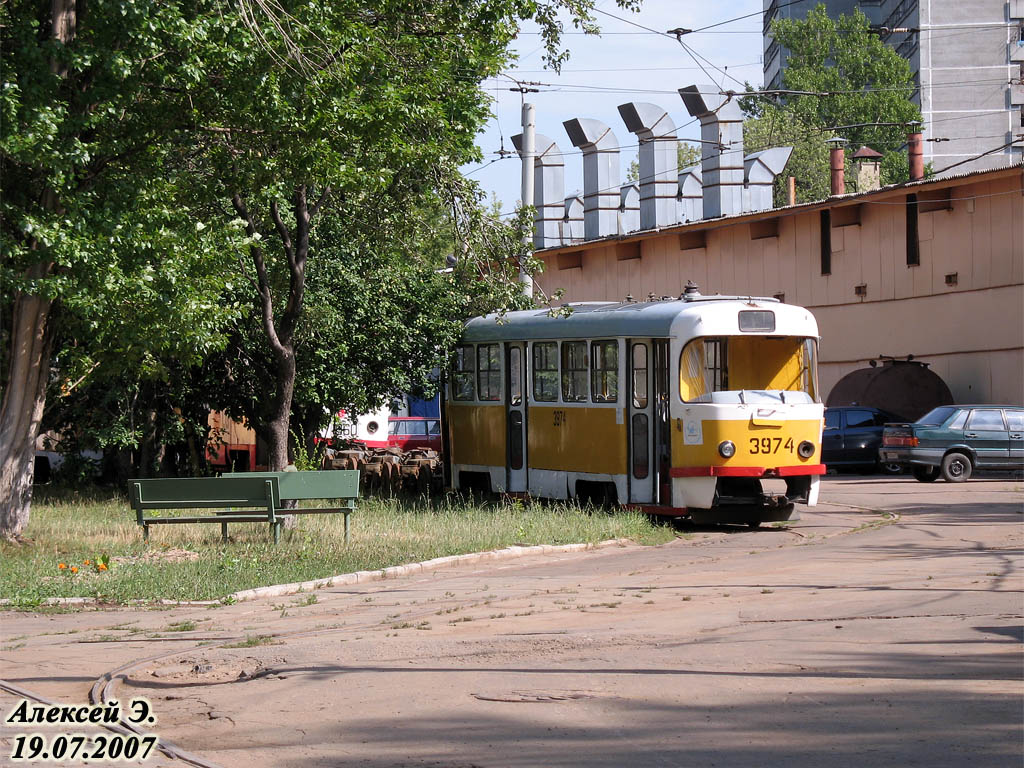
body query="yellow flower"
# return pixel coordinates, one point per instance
(101, 567)
(74, 569)
(87, 562)
(62, 566)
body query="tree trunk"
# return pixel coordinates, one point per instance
(277, 429)
(147, 446)
(22, 409)
(30, 343)
(280, 331)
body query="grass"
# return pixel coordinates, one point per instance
(251, 641)
(190, 563)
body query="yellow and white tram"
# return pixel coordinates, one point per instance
(679, 407)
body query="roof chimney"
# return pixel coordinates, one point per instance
(915, 150)
(572, 219)
(869, 169)
(759, 172)
(837, 164)
(548, 189)
(721, 159)
(690, 200)
(600, 175)
(658, 160)
(630, 207)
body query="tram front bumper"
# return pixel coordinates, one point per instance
(744, 494)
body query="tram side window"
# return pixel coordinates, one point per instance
(639, 375)
(545, 372)
(574, 371)
(515, 376)
(488, 371)
(604, 377)
(464, 373)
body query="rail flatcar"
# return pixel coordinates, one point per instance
(680, 407)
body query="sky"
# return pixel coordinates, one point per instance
(625, 63)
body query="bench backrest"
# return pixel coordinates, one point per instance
(200, 492)
(316, 484)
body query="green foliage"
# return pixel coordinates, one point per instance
(853, 79)
(809, 163)
(87, 188)
(124, 150)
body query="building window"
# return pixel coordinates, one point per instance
(913, 243)
(545, 372)
(574, 371)
(825, 218)
(463, 375)
(605, 371)
(488, 371)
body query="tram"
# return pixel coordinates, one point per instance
(679, 407)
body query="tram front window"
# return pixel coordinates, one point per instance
(749, 369)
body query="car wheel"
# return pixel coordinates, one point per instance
(926, 474)
(889, 468)
(956, 467)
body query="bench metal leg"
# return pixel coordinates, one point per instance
(223, 531)
(145, 533)
(277, 532)
(346, 527)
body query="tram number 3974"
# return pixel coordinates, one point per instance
(770, 445)
(559, 418)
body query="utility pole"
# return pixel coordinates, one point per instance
(528, 156)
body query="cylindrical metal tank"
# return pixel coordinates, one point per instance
(904, 388)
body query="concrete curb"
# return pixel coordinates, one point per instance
(398, 571)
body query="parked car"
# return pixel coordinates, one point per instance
(409, 432)
(953, 441)
(852, 437)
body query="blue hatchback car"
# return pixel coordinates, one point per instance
(953, 441)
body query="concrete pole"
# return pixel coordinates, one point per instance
(528, 156)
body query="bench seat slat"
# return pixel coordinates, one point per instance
(207, 519)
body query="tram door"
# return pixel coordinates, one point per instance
(662, 427)
(640, 423)
(515, 415)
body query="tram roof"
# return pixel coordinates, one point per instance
(595, 319)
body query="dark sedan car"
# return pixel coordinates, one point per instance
(852, 437)
(955, 440)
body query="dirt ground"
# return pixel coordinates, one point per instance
(849, 639)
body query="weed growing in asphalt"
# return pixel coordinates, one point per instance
(251, 641)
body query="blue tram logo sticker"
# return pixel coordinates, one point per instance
(692, 432)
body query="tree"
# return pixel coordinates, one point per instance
(847, 82)
(99, 250)
(363, 109)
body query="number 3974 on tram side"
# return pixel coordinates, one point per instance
(678, 407)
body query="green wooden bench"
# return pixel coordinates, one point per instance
(341, 485)
(249, 497)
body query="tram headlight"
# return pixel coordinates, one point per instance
(805, 449)
(726, 449)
